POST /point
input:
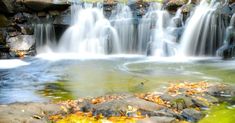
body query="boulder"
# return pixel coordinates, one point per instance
(6, 6)
(122, 107)
(192, 115)
(21, 42)
(42, 5)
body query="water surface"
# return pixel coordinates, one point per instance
(58, 77)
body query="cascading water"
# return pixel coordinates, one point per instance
(155, 33)
(123, 22)
(90, 33)
(45, 37)
(204, 31)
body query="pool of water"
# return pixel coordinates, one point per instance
(59, 76)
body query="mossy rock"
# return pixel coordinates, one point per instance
(3, 21)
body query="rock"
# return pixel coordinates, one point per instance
(163, 112)
(21, 42)
(158, 119)
(201, 103)
(204, 101)
(120, 107)
(25, 29)
(220, 90)
(3, 21)
(173, 5)
(26, 112)
(192, 115)
(43, 5)
(42, 14)
(2, 38)
(85, 106)
(180, 101)
(20, 18)
(6, 6)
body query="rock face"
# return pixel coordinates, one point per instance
(41, 5)
(6, 6)
(3, 21)
(21, 42)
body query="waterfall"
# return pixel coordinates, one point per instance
(204, 31)
(228, 49)
(156, 32)
(91, 32)
(123, 23)
(45, 37)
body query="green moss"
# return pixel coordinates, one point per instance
(220, 114)
(56, 91)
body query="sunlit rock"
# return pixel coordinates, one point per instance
(21, 42)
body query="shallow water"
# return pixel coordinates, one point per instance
(57, 77)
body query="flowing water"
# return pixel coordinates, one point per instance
(204, 31)
(68, 76)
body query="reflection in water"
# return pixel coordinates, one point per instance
(71, 78)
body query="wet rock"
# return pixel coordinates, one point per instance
(2, 38)
(173, 5)
(201, 103)
(163, 112)
(21, 18)
(221, 90)
(192, 115)
(21, 42)
(179, 102)
(64, 18)
(3, 21)
(6, 6)
(158, 119)
(26, 29)
(204, 101)
(86, 106)
(120, 107)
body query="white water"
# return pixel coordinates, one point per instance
(155, 32)
(91, 33)
(45, 37)
(123, 22)
(204, 31)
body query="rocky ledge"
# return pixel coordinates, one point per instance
(184, 102)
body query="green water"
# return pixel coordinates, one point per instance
(96, 77)
(220, 114)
